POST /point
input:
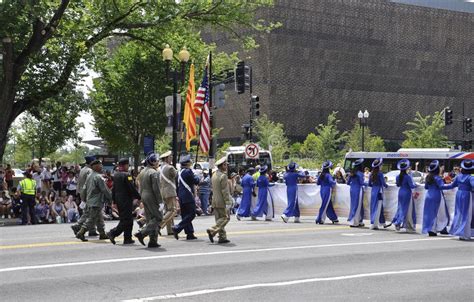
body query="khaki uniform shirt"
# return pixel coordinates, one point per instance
(168, 185)
(220, 190)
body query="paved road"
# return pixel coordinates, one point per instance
(266, 261)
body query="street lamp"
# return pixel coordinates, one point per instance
(363, 117)
(183, 57)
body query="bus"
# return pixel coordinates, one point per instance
(447, 158)
(236, 159)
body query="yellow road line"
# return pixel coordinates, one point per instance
(249, 232)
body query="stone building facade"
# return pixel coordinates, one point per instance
(348, 55)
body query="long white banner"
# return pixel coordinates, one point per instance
(310, 200)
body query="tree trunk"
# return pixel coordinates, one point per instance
(136, 159)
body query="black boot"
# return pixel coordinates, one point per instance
(191, 237)
(140, 237)
(153, 243)
(432, 234)
(444, 231)
(128, 241)
(75, 228)
(80, 235)
(103, 236)
(111, 237)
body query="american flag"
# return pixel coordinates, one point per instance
(203, 97)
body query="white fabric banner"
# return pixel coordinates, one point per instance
(310, 200)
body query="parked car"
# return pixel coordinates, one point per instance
(418, 177)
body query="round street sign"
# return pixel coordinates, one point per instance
(252, 151)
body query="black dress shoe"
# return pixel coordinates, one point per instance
(444, 232)
(153, 244)
(387, 225)
(223, 241)
(140, 237)
(432, 234)
(319, 222)
(175, 233)
(128, 241)
(335, 221)
(211, 237)
(191, 237)
(111, 237)
(93, 234)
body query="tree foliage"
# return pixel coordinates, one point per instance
(271, 136)
(48, 44)
(325, 144)
(426, 132)
(372, 143)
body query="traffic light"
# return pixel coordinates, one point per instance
(220, 95)
(255, 106)
(467, 145)
(448, 116)
(246, 131)
(240, 77)
(468, 124)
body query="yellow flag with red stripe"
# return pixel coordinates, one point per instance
(189, 114)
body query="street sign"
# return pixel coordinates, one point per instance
(252, 151)
(169, 105)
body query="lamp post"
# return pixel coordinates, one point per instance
(363, 117)
(183, 58)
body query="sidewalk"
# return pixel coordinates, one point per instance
(9, 221)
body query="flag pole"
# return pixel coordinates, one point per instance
(211, 117)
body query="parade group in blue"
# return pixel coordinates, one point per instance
(436, 219)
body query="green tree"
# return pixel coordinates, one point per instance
(372, 143)
(47, 45)
(325, 144)
(426, 132)
(295, 149)
(271, 136)
(51, 124)
(128, 101)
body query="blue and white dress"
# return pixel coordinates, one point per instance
(376, 200)
(405, 216)
(462, 221)
(435, 212)
(356, 213)
(291, 180)
(327, 183)
(248, 185)
(262, 206)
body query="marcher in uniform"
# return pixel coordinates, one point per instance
(149, 180)
(81, 180)
(168, 191)
(248, 186)
(221, 202)
(327, 183)
(263, 206)
(462, 225)
(357, 184)
(187, 203)
(291, 179)
(377, 183)
(123, 195)
(435, 212)
(405, 216)
(96, 193)
(27, 188)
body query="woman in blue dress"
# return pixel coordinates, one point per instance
(291, 179)
(405, 216)
(435, 212)
(248, 186)
(377, 183)
(462, 221)
(356, 181)
(327, 184)
(261, 207)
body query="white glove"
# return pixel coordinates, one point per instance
(162, 207)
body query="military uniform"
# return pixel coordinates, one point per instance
(221, 203)
(123, 194)
(168, 192)
(186, 182)
(149, 180)
(96, 193)
(81, 181)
